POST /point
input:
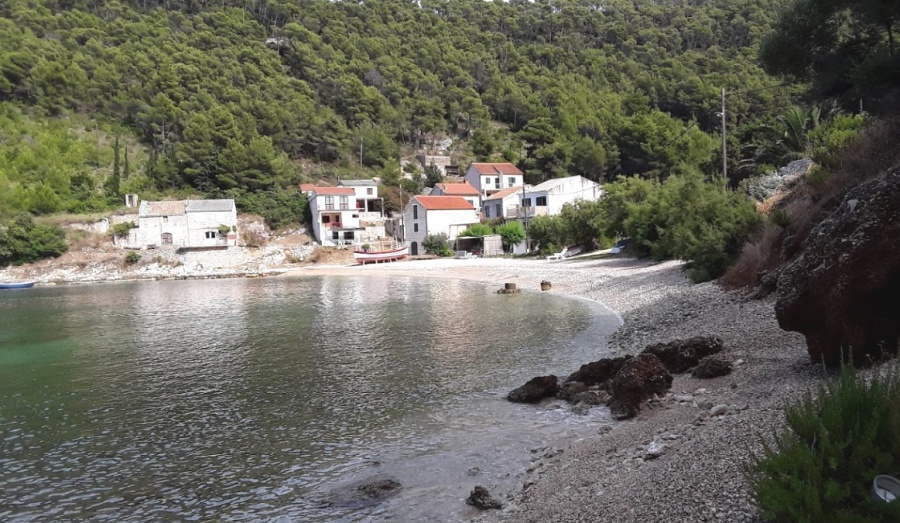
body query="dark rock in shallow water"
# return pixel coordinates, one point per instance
(639, 379)
(535, 390)
(712, 367)
(364, 494)
(598, 372)
(481, 498)
(378, 489)
(843, 291)
(682, 355)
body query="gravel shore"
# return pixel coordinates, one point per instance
(697, 475)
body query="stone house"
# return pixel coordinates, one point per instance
(185, 223)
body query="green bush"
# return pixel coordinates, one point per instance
(477, 230)
(278, 207)
(437, 244)
(511, 233)
(132, 257)
(23, 241)
(820, 469)
(120, 230)
(550, 232)
(691, 219)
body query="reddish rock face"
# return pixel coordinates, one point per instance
(682, 355)
(639, 379)
(843, 291)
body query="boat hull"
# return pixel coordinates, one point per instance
(364, 257)
(17, 285)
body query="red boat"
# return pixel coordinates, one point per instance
(369, 256)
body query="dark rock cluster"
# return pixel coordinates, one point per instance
(624, 383)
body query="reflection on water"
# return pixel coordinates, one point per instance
(247, 400)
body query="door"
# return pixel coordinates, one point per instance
(414, 249)
(166, 238)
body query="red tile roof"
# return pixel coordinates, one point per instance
(333, 191)
(444, 203)
(496, 168)
(504, 193)
(457, 189)
(306, 187)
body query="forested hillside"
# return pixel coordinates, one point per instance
(225, 96)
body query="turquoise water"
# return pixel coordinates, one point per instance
(262, 400)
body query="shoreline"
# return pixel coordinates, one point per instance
(699, 476)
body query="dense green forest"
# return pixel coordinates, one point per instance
(226, 95)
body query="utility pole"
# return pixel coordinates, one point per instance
(724, 138)
(525, 218)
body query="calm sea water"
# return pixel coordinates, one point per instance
(270, 399)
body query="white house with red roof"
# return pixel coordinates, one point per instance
(427, 215)
(503, 204)
(464, 190)
(349, 214)
(489, 178)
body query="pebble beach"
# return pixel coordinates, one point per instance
(682, 458)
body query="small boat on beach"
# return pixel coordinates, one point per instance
(380, 256)
(17, 285)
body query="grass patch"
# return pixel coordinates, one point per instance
(821, 467)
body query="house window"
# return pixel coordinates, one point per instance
(526, 202)
(348, 235)
(166, 238)
(499, 212)
(487, 180)
(487, 212)
(329, 202)
(335, 235)
(211, 235)
(370, 191)
(541, 201)
(326, 219)
(415, 227)
(511, 181)
(344, 203)
(415, 212)
(165, 219)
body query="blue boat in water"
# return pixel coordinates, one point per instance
(17, 285)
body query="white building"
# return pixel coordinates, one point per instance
(503, 204)
(349, 214)
(426, 215)
(489, 178)
(464, 190)
(548, 198)
(185, 223)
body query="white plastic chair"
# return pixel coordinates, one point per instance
(559, 255)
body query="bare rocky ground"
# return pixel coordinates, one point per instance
(682, 459)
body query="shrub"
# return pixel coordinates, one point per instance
(511, 233)
(477, 230)
(120, 230)
(23, 241)
(694, 220)
(437, 244)
(820, 469)
(132, 257)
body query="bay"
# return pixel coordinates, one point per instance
(271, 399)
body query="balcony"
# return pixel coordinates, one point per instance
(517, 211)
